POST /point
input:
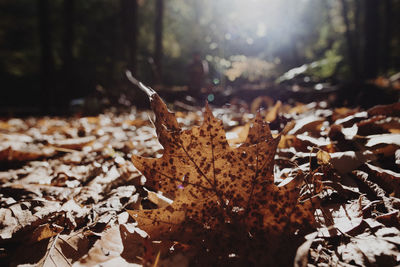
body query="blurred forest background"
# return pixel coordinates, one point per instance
(55, 51)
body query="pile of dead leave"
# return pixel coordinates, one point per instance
(292, 184)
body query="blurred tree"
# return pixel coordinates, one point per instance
(70, 87)
(158, 39)
(129, 11)
(371, 31)
(387, 35)
(47, 60)
(369, 36)
(84, 46)
(351, 43)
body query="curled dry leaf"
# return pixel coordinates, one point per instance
(389, 180)
(238, 134)
(379, 249)
(24, 153)
(107, 248)
(273, 112)
(74, 143)
(311, 124)
(45, 231)
(387, 110)
(347, 161)
(323, 157)
(379, 139)
(343, 218)
(259, 101)
(214, 185)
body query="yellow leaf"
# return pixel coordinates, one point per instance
(323, 157)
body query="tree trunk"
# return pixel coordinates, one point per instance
(371, 31)
(352, 53)
(387, 35)
(358, 33)
(70, 89)
(158, 48)
(129, 10)
(46, 59)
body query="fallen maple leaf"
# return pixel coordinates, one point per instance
(214, 185)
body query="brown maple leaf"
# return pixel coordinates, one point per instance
(213, 184)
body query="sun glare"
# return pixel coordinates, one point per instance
(257, 16)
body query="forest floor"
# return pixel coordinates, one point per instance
(68, 186)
